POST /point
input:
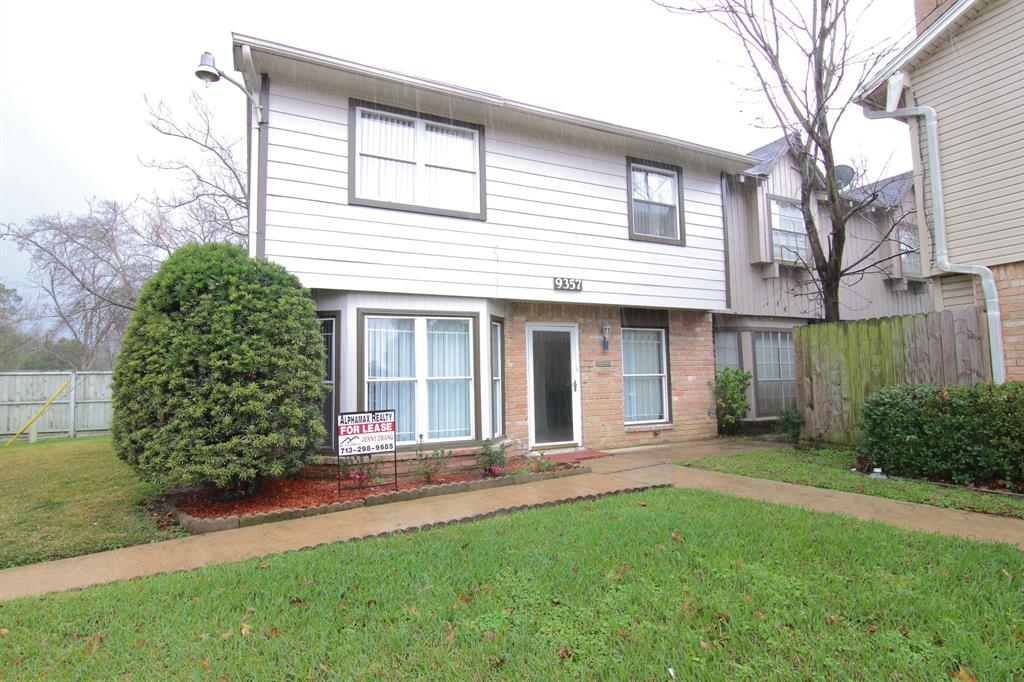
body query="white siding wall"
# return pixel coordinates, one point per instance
(553, 209)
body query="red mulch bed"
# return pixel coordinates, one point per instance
(292, 493)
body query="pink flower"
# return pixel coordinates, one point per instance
(495, 470)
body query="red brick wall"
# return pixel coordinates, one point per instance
(1010, 285)
(691, 368)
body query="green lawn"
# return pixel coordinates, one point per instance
(831, 469)
(68, 497)
(625, 587)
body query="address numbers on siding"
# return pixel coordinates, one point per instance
(568, 284)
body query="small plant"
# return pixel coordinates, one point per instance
(431, 466)
(345, 468)
(544, 464)
(364, 473)
(731, 403)
(492, 459)
(789, 423)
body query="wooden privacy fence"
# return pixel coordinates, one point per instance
(84, 408)
(839, 364)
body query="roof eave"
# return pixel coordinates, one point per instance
(873, 89)
(733, 162)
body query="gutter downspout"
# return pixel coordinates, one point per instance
(897, 82)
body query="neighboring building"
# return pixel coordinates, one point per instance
(967, 63)
(490, 269)
(771, 290)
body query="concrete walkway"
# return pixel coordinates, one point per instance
(622, 472)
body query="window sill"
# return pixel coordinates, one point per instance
(674, 241)
(414, 208)
(650, 426)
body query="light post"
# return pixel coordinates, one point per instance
(208, 72)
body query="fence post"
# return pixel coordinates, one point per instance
(71, 404)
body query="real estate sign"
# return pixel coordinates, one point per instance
(366, 433)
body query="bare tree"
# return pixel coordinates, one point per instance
(89, 269)
(211, 203)
(808, 67)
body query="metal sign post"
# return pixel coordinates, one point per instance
(362, 436)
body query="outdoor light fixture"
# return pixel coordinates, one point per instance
(606, 333)
(208, 72)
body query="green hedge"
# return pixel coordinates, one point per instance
(964, 434)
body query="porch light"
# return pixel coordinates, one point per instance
(208, 72)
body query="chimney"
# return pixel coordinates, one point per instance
(927, 11)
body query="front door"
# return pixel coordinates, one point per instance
(554, 385)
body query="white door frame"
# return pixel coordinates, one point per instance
(577, 414)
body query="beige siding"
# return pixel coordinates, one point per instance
(956, 291)
(974, 78)
(791, 293)
(555, 208)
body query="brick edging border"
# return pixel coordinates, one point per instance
(196, 526)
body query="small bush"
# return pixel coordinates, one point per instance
(219, 379)
(965, 434)
(431, 465)
(789, 423)
(731, 403)
(492, 459)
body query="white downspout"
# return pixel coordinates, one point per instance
(897, 82)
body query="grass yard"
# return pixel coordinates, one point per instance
(66, 497)
(621, 588)
(831, 469)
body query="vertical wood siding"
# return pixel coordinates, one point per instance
(975, 81)
(791, 294)
(553, 209)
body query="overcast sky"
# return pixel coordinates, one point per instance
(73, 76)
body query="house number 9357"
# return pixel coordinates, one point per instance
(568, 284)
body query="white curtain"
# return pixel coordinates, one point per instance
(643, 374)
(776, 372)
(387, 158)
(449, 378)
(451, 168)
(391, 370)
(497, 407)
(654, 203)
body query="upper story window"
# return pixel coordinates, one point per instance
(655, 202)
(910, 250)
(412, 162)
(789, 237)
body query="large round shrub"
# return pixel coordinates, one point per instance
(219, 378)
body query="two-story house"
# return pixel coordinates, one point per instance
(771, 289)
(490, 269)
(960, 86)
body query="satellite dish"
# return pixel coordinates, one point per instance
(844, 175)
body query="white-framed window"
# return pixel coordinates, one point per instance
(421, 367)
(497, 392)
(327, 334)
(909, 244)
(412, 162)
(654, 205)
(727, 349)
(789, 237)
(644, 376)
(776, 372)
